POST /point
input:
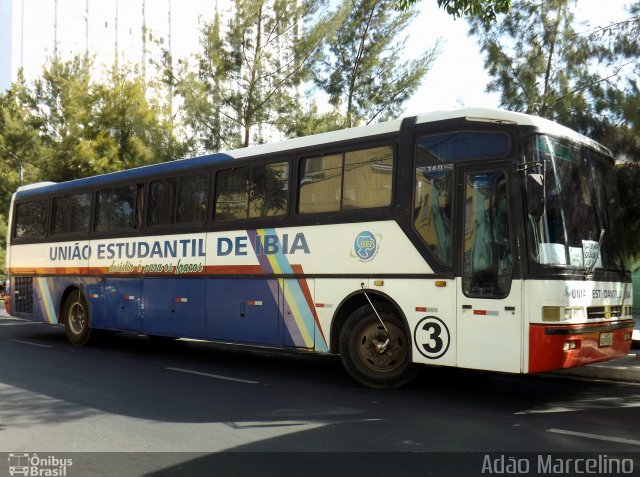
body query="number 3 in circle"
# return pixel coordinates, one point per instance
(431, 337)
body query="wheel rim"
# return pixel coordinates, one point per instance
(374, 355)
(77, 319)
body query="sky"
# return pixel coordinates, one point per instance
(457, 78)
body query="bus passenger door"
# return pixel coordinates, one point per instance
(489, 301)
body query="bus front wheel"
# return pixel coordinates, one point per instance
(76, 319)
(375, 355)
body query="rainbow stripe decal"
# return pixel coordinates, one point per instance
(302, 322)
(48, 309)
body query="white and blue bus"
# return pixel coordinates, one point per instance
(477, 238)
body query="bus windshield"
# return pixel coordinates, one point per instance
(579, 224)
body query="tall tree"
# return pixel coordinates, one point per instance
(588, 81)
(20, 146)
(133, 124)
(65, 125)
(247, 75)
(618, 96)
(21, 141)
(538, 62)
(362, 72)
(541, 64)
(618, 106)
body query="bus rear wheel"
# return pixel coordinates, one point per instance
(375, 356)
(76, 319)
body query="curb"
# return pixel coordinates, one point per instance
(621, 369)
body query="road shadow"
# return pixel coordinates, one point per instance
(133, 376)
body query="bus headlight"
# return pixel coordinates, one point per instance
(574, 313)
(557, 313)
(551, 313)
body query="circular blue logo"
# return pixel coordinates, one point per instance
(365, 246)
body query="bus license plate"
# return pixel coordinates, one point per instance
(606, 339)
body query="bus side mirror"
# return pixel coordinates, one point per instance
(535, 194)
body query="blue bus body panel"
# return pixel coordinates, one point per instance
(174, 307)
(244, 310)
(122, 298)
(249, 310)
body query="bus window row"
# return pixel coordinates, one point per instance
(360, 179)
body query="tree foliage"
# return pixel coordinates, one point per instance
(619, 107)
(309, 119)
(541, 64)
(247, 75)
(538, 62)
(484, 9)
(65, 125)
(361, 71)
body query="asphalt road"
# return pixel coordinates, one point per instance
(132, 406)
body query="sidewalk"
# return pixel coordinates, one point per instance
(621, 369)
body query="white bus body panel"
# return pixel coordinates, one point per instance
(491, 334)
(575, 294)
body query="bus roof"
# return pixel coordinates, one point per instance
(489, 115)
(485, 115)
(180, 165)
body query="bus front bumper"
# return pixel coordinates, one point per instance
(553, 347)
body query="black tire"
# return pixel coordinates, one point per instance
(365, 357)
(76, 319)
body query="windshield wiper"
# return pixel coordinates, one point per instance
(588, 271)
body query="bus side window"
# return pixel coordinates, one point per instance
(232, 197)
(116, 209)
(268, 190)
(162, 199)
(435, 158)
(321, 184)
(360, 179)
(432, 210)
(31, 220)
(368, 176)
(71, 214)
(249, 192)
(193, 199)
